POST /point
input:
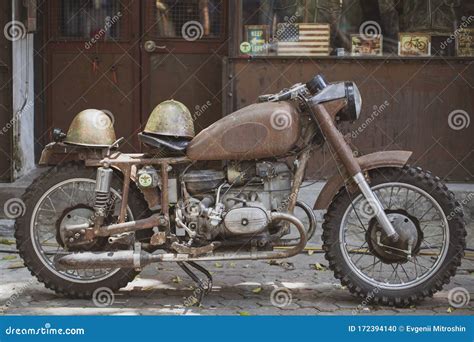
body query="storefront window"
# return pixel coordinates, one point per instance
(358, 27)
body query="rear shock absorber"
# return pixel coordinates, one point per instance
(102, 194)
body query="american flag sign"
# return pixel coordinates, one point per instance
(302, 39)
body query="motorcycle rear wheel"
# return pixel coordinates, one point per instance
(80, 284)
(392, 278)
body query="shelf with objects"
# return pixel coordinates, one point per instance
(354, 28)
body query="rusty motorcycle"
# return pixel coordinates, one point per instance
(98, 216)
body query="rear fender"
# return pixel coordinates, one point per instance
(58, 153)
(367, 162)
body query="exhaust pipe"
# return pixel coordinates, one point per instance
(88, 260)
(138, 259)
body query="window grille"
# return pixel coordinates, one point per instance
(188, 19)
(89, 19)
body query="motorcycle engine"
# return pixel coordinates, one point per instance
(235, 203)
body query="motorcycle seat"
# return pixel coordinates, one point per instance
(178, 144)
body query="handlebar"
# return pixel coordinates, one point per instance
(314, 86)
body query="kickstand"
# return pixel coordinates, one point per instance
(204, 286)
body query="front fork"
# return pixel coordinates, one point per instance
(338, 144)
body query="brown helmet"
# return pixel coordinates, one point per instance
(170, 118)
(91, 127)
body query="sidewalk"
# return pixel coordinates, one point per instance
(240, 288)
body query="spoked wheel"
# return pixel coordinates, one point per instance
(65, 196)
(428, 252)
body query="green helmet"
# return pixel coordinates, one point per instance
(91, 127)
(171, 118)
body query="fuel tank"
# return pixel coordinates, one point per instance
(257, 131)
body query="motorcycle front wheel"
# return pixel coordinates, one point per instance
(432, 238)
(62, 196)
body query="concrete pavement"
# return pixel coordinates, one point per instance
(240, 288)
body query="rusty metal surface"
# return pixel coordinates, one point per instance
(416, 117)
(303, 159)
(325, 114)
(58, 153)
(384, 159)
(129, 258)
(164, 190)
(259, 131)
(127, 171)
(119, 158)
(131, 226)
(367, 162)
(170, 118)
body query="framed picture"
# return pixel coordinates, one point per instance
(414, 44)
(465, 42)
(443, 45)
(257, 36)
(362, 45)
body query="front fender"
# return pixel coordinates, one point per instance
(367, 162)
